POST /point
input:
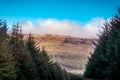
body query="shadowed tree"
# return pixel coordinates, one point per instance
(23, 65)
(113, 49)
(104, 62)
(6, 64)
(39, 58)
(46, 69)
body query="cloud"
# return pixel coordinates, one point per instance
(64, 27)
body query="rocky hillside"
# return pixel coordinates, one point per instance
(71, 53)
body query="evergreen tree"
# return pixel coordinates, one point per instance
(57, 72)
(97, 62)
(23, 66)
(6, 64)
(66, 75)
(113, 50)
(105, 60)
(39, 58)
(46, 69)
(75, 77)
(23, 60)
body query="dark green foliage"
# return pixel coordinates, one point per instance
(23, 65)
(38, 58)
(23, 60)
(113, 54)
(66, 75)
(46, 69)
(97, 63)
(104, 62)
(75, 77)
(58, 73)
(6, 64)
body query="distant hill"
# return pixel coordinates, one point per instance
(71, 53)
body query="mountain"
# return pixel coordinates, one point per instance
(70, 52)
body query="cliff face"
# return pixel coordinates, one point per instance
(71, 53)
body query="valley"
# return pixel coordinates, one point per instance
(70, 52)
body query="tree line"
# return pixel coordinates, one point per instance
(23, 60)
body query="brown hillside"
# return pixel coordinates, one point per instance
(71, 53)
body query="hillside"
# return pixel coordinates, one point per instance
(71, 53)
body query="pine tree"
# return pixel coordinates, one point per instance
(39, 58)
(113, 53)
(104, 62)
(23, 66)
(6, 64)
(97, 62)
(46, 69)
(34, 53)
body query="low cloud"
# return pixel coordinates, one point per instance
(64, 27)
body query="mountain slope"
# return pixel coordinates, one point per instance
(71, 53)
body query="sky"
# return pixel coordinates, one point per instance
(78, 18)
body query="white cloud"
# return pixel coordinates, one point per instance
(64, 27)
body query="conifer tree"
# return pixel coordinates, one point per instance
(23, 66)
(23, 60)
(113, 50)
(6, 64)
(40, 59)
(104, 63)
(46, 69)
(97, 62)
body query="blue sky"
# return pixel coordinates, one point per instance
(81, 11)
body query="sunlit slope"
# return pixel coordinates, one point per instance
(71, 53)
